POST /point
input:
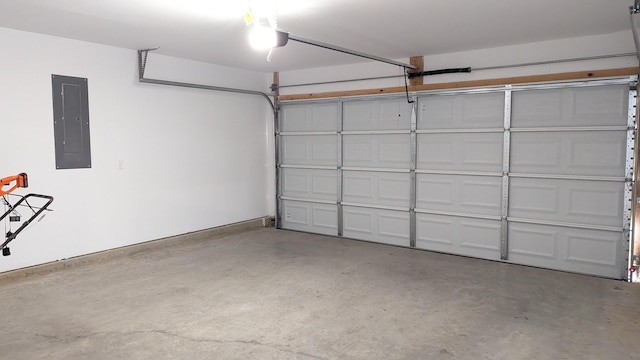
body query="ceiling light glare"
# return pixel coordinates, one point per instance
(262, 37)
(263, 8)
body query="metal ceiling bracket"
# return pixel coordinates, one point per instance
(142, 61)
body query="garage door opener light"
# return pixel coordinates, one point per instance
(263, 37)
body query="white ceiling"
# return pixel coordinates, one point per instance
(213, 30)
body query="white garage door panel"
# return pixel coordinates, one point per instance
(560, 200)
(578, 250)
(576, 153)
(310, 217)
(470, 152)
(463, 194)
(458, 235)
(310, 184)
(588, 106)
(310, 117)
(377, 151)
(378, 188)
(384, 226)
(390, 114)
(310, 150)
(573, 201)
(477, 111)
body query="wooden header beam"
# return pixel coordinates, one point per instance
(276, 91)
(417, 61)
(578, 75)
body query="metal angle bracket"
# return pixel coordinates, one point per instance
(142, 60)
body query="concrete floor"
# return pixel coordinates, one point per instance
(271, 294)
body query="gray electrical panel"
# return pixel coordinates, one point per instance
(71, 122)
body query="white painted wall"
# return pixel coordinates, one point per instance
(614, 43)
(191, 159)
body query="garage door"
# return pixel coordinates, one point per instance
(534, 175)
(308, 167)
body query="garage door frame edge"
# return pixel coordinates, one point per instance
(630, 194)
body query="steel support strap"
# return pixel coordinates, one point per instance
(634, 197)
(413, 176)
(340, 174)
(506, 154)
(279, 189)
